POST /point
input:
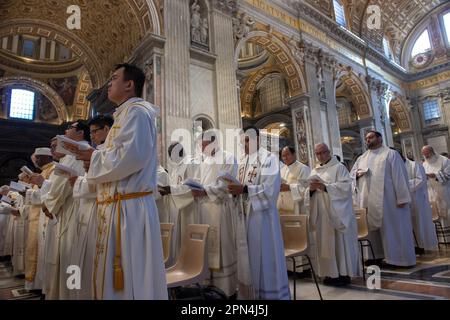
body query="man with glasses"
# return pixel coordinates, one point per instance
(83, 250)
(332, 218)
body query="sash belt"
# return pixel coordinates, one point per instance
(118, 271)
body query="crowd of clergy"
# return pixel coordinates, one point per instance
(104, 216)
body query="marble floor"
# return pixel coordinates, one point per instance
(428, 280)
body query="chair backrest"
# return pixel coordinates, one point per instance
(434, 210)
(166, 238)
(361, 219)
(193, 254)
(295, 232)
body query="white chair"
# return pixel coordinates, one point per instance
(363, 232)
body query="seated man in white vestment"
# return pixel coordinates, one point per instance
(262, 272)
(437, 169)
(382, 187)
(128, 262)
(332, 218)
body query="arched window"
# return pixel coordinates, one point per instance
(22, 104)
(339, 13)
(446, 20)
(422, 43)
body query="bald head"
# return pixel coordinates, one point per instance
(322, 153)
(428, 151)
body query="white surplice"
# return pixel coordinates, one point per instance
(183, 207)
(262, 269)
(83, 249)
(291, 202)
(380, 191)
(60, 231)
(162, 203)
(332, 218)
(19, 233)
(439, 188)
(421, 214)
(128, 165)
(215, 209)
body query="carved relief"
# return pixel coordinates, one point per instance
(301, 136)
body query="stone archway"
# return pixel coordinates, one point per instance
(399, 112)
(285, 61)
(43, 88)
(357, 93)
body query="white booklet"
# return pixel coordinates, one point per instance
(192, 184)
(60, 146)
(315, 177)
(228, 178)
(26, 185)
(65, 171)
(17, 186)
(26, 170)
(7, 200)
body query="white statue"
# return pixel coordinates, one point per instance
(204, 31)
(195, 22)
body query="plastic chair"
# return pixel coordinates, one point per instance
(166, 238)
(363, 232)
(192, 264)
(295, 238)
(437, 223)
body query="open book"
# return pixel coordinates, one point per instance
(61, 149)
(192, 184)
(26, 170)
(316, 178)
(20, 187)
(65, 171)
(228, 178)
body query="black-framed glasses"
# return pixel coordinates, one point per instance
(94, 131)
(72, 126)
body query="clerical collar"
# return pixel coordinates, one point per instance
(322, 164)
(292, 164)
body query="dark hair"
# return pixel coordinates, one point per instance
(172, 146)
(101, 121)
(376, 133)
(82, 126)
(291, 149)
(445, 154)
(338, 158)
(131, 72)
(252, 128)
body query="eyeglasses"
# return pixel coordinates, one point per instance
(72, 126)
(94, 131)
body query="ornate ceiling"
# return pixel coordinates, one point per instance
(110, 29)
(398, 18)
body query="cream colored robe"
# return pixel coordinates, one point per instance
(334, 222)
(128, 165)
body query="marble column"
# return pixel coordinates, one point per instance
(229, 115)
(176, 85)
(381, 122)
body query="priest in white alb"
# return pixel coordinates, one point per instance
(422, 218)
(293, 173)
(332, 218)
(34, 247)
(382, 187)
(128, 262)
(437, 169)
(215, 209)
(182, 206)
(262, 272)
